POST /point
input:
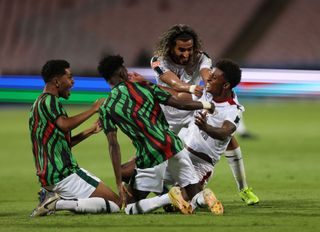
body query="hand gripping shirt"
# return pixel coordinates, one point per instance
(134, 107)
(186, 73)
(200, 141)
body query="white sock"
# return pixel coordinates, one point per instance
(198, 201)
(236, 164)
(88, 205)
(66, 205)
(147, 205)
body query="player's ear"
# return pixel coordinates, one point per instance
(56, 82)
(226, 85)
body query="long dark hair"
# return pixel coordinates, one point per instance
(178, 31)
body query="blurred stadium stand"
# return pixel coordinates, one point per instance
(293, 39)
(256, 33)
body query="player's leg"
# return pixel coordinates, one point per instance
(141, 184)
(133, 194)
(81, 192)
(234, 157)
(235, 160)
(91, 194)
(112, 200)
(147, 205)
(183, 171)
(205, 198)
(47, 204)
(98, 199)
(127, 170)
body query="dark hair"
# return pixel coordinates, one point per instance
(231, 71)
(178, 31)
(109, 65)
(54, 68)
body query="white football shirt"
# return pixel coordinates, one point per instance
(200, 141)
(188, 74)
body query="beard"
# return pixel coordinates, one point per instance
(181, 60)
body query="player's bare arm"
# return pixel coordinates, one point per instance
(67, 124)
(94, 129)
(175, 83)
(220, 133)
(179, 95)
(183, 104)
(115, 155)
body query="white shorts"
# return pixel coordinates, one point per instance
(79, 185)
(203, 169)
(150, 179)
(180, 169)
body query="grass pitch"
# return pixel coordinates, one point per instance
(282, 166)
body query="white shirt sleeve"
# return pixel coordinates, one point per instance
(205, 62)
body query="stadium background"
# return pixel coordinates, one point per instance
(255, 33)
(275, 41)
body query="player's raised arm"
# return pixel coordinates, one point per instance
(176, 84)
(94, 129)
(67, 124)
(183, 104)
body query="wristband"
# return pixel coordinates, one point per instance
(192, 88)
(206, 105)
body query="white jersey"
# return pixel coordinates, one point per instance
(199, 141)
(188, 74)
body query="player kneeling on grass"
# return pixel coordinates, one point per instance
(134, 107)
(180, 65)
(67, 186)
(207, 138)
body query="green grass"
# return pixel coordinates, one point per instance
(282, 166)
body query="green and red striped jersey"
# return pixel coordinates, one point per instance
(135, 108)
(50, 145)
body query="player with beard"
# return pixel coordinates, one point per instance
(180, 64)
(208, 135)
